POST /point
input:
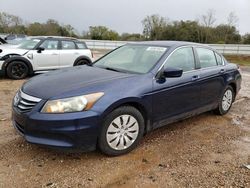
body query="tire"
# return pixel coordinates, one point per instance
(226, 101)
(17, 70)
(82, 62)
(121, 132)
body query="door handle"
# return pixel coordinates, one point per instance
(54, 54)
(195, 77)
(222, 71)
(76, 53)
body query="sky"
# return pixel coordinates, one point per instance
(124, 15)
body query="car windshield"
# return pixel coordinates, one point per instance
(29, 44)
(132, 58)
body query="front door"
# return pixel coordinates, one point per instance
(48, 58)
(177, 96)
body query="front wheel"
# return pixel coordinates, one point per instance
(226, 101)
(121, 132)
(17, 70)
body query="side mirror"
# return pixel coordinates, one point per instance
(40, 49)
(172, 72)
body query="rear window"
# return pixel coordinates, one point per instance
(81, 45)
(206, 57)
(68, 45)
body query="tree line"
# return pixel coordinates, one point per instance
(155, 27)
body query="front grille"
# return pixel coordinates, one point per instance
(19, 127)
(25, 103)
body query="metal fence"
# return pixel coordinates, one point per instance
(234, 49)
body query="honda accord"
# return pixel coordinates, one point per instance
(125, 94)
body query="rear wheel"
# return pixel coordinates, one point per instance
(226, 101)
(17, 70)
(82, 62)
(121, 132)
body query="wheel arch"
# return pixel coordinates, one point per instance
(17, 58)
(134, 102)
(234, 86)
(83, 57)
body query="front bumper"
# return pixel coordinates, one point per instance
(1, 70)
(77, 131)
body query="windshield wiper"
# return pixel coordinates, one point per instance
(112, 69)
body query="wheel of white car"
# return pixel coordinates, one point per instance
(17, 70)
(82, 62)
(226, 101)
(121, 132)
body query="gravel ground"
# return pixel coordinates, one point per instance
(203, 151)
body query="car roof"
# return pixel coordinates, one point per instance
(55, 37)
(169, 43)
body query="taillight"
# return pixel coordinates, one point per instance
(92, 54)
(239, 69)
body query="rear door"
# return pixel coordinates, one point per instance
(68, 53)
(49, 57)
(177, 96)
(211, 76)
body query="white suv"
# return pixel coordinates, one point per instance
(39, 54)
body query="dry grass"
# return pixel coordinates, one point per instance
(239, 59)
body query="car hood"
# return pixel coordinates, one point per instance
(69, 81)
(6, 49)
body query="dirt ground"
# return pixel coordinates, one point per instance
(203, 151)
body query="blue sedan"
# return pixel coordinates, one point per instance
(132, 90)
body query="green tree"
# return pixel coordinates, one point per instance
(102, 33)
(36, 29)
(131, 37)
(246, 38)
(226, 34)
(11, 24)
(153, 27)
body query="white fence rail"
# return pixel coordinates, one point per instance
(234, 49)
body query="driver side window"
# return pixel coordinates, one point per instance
(50, 44)
(182, 58)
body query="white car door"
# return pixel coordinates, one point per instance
(68, 53)
(48, 56)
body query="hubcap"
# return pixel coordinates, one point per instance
(227, 100)
(18, 70)
(122, 132)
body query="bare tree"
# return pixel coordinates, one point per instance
(232, 19)
(207, 20)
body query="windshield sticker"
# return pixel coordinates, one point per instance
(156, 49)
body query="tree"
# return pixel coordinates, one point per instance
(36, 29)
(102, 33)
(226, 34)
(181, 30)
(207, 20)
(11, 24)
(131, 37)
(153, 27)
(246, 38)
(232, 19)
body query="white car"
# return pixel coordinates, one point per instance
(40, 54)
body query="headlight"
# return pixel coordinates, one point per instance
(72, 104)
